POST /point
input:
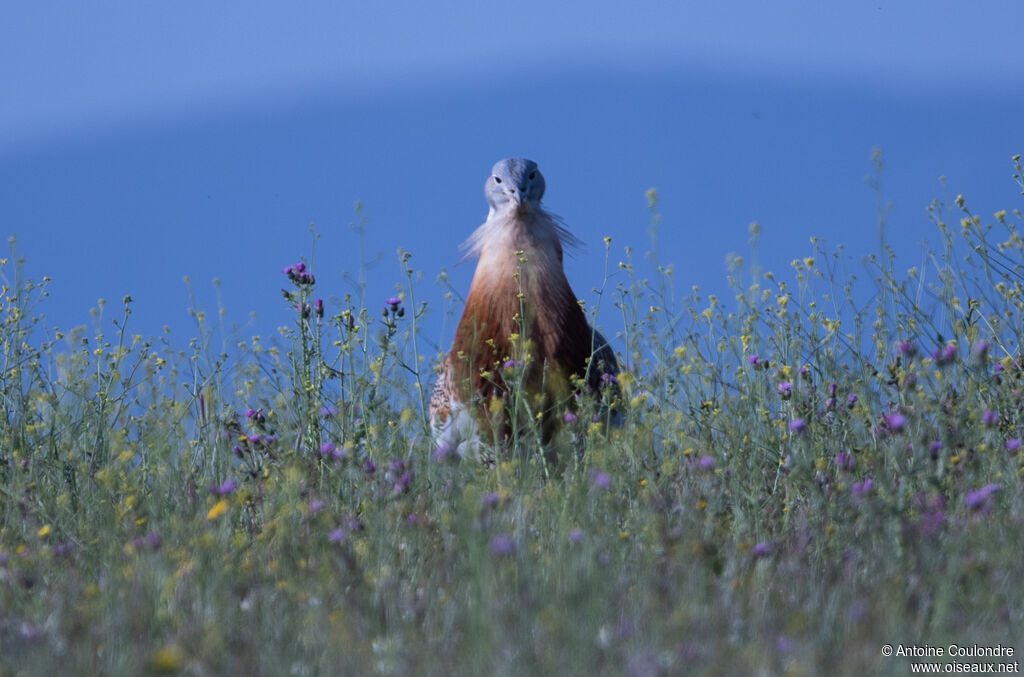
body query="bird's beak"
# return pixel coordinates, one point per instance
(516, 197)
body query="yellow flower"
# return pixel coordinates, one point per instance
(217, 510)
(44, 532)
(169, 658)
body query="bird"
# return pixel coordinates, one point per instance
(523, 335)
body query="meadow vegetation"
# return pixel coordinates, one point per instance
(807, 471)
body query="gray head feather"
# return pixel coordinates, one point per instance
(514, 183)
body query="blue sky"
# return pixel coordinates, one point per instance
(143, 142)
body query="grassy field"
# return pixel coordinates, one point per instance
(807, 472)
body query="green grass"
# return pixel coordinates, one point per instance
(793, 488)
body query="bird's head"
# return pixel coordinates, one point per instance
(514, 184)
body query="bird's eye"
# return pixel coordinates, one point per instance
(533, 175)
(497, 179)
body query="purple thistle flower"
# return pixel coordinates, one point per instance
(318, 307)
(753, 359)
(153, 540)
(490, 500)
(336, 536)
(862, 489)
(394, 302)
(249, 413)
(895, 421)
(845, 461)
(798, 425)
(832, 389)
(935, 447)
(979, 498)
(300, 267)
(315, 506)
(851, 400)
(932, 514)
(570, 417)
(785, 389)
(63, 549)
(1013, 445)
(370, 467)
(509, 364)
(225, 488)
(443, 453)
(327, 449)
(576, 536)
(979, 351)
(413, 518)
(990, 418)
(945, 355)
(608, 379)
(762, 549)
(907, 349)
(502, 545)
(600, 479)
(805, 372)
(706, 462)
(327, 411)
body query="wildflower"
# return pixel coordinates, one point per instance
(413, 518)
(168, 658)
(845, 461)
(785, 389)
(576, 536)
(315, 506)
(990, 418)
(979, 351)
(570, 417)
(336, 535)
(512, 364)
(832, 389)
(402, 485)
(153, 540)
(861, 489)
(706, 462)
(798, 425)
(490, 500)
(217, 510)
(979, 498)
(318, 307)
(934, 448)
(895, 421)
(608, 379)
(224, 488)
(932, 515)
(327, 449)
(443, 453)
(370, 467)
(327, 411)
(753, 360)
(945, 355)
(1013, 445)
(761, 550)
(502, 545)
(805, 372)
(907, 349)
(851, 400)
(62, 549)
(394, 302)
(600, 479)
